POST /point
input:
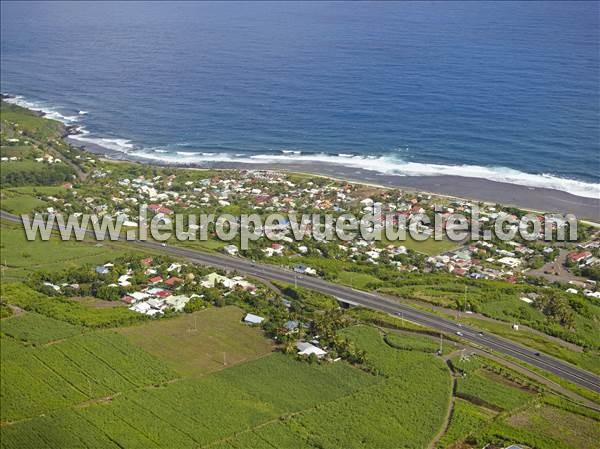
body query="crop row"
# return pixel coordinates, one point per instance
(38, 380)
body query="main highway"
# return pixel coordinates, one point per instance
(377, 302)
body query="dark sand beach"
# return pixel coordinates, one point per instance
(530, 198)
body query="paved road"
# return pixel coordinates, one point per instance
(380, 303)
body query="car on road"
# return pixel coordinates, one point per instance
(480, 334)
(459, 333)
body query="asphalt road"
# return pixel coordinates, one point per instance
(377, 302)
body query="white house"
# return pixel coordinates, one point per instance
(305, 348)
(510, 262)
(253, 319)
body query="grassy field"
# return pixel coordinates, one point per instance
(559, 425)
(271, 401)
(20, 256)
(73, 311)
(80, 368)
(201, 342)
(466, 419)
(193, 412)
(35, 329)
(429, 247)
(22, 200)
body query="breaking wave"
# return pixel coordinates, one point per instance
(44, 108)
(385, 165)
(389, 165)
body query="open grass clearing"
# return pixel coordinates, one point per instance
(199, 343)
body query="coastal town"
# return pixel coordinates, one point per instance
(542, 292)
(265, 192)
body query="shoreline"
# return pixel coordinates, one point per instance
(533, 199)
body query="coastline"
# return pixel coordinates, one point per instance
(535, 199)
(530, 198)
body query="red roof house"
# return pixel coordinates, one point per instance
(155, 280)
(173, 280)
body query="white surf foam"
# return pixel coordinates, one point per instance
(393, 166)
(47, 110)
(114, 144)
(388, 165)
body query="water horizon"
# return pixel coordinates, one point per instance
(524, 113)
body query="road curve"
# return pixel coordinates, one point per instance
(374, 301)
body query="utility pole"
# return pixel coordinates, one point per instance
(441, 343)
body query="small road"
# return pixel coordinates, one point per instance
(555, 270)
(373, 301)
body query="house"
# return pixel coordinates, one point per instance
(155, 280)
(305, 348)
(232, 250)
(250, 318)
(277, 248)
(101, 269)
(124, 280)
(128, 299)
(579, 256)
(155, 303)
(52, 286)
(141, 307)
(163, 293)
(177, 302)
(139, 296)
(240, 282)
(174, 267)
(291, 325)
(173, 281)
(510, 262)
(213, 279)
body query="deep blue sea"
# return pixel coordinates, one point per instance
(502, 91)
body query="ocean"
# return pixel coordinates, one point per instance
(500, 91)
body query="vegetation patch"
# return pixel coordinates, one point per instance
(80, 368)
(37, 329)
(69, 310)
(201, 342)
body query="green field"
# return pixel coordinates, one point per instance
(80, 368)
(189, 413)
(466, 420)
(23, 200)
(273, 401)
(201, 342)
(79, 313)
(21, 257)
(37, 329)
(429, 247)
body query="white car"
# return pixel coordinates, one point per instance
(459, 333)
